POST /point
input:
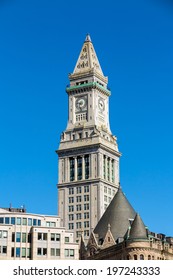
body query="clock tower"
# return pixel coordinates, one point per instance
(88, 171)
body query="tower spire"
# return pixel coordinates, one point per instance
(88, 151)
(87, 59)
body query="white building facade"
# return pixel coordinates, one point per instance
(26, 236)
(88, 172)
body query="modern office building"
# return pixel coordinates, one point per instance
(34, 237)
(88, 175)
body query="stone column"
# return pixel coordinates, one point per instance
(116, 172)
(60, 171)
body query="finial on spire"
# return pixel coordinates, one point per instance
(88, 38)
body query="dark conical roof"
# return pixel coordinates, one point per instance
(117, 215)
(138, 229)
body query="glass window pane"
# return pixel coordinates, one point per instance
(24, 221)
(71, 252)
(29, 238)
(29, 222)
(7, 220)
(66, 252)
(4, 249)
(52, 237)
(28, 253)
(44, 236)
(18, 235)
(57, 237)
(57, 252)
(52, 251)
(18, 252)
(44, 251)
(66, 239)
(4, 234)
(13, 237)
(13, 220)
(12, 252)
(18, 221)
(23, 252)
(39, 236)
(23, 237)
(39, 251)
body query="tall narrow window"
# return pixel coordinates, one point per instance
(24, 221)
(13, 237)
(23, 237)
(18, 221)
(78, 190)
(104, 167)
(79, 168)
(23, 252)
(108, 169)
(28, 252)
(86, 159)
(29, 237)
(17, 252)
(112, 170)
(18, 236)
(7, 220)
(12, 252)
(71, 190)
(13, 220)
(71, 169)
(86, 188)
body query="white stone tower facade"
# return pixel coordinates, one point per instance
(88, 172)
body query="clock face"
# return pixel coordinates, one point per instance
(101, 104)
(81, 103)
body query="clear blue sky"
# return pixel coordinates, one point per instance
(39, 44)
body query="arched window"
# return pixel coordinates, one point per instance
(141, 257)
(92, 251)
(149, 257)
(135, 257)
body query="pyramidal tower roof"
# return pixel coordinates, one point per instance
(118, 215)
(138, 229)
(87, 59)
